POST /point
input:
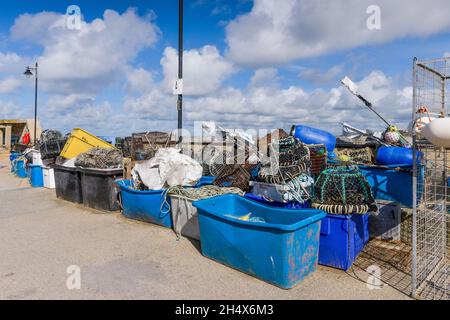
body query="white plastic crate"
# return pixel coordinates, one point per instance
(49, 177)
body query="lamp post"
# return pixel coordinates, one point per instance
(29, 73)
(180, 70)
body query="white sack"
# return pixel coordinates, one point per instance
(168, 168)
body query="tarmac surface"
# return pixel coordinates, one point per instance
(42, 236)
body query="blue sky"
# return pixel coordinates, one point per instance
(249, 64)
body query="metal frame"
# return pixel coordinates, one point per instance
(430, 243)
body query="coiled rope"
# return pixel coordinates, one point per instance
(193, 194)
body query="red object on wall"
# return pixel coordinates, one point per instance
(26, 139)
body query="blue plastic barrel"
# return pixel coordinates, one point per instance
(310, 135)
(36, 176)
(279, 246)
(147, 206)
(342, 238)
(396, 156)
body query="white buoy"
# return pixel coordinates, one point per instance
(438, 132)
(420, 123)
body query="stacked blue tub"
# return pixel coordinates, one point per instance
(279, 246)
(392, 179)
(148, 206)
(19, 168)
(342, 238)
(13, 156)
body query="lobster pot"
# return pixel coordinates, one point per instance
(343, 190)
(237, 176)
(144, 145)
(289, 158)
(318, 157)
(357, 155)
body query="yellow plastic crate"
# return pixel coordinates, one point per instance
(81, 141)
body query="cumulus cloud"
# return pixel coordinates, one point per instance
(139, 80)
(10, 110)
(271, 107)
(283, 31)
(9, 85)
(204, 69)
(10, 62)
(85, 60)
(321, 77)
(265, 77)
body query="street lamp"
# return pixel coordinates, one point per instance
(180, 70)
(29, 73)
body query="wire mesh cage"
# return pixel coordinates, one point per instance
(289, 158)
(430, 238)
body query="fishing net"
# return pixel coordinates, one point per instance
(289, 158)
(343, 190)
(100, 158)
(356, 155)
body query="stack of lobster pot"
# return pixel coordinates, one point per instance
(287, 177)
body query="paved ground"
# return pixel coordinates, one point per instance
(40, 236)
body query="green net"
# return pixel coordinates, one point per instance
(342, 190)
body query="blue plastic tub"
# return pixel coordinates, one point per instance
(393, 183)
(13, 156)
(36, 176)
(20, 169)
(342, 238)
(145, 206)
(282, 250)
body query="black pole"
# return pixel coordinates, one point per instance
(35, 104)
(180, 69)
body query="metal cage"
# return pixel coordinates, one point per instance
(430, 239)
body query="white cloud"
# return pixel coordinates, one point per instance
(86, 60)
(9, 85)
(204, 70)
(63, 103)
(320, 77)
(139, 81)
(9, 62)
(271, 107)
(10, 110)
(283, 31)
(265, 77)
